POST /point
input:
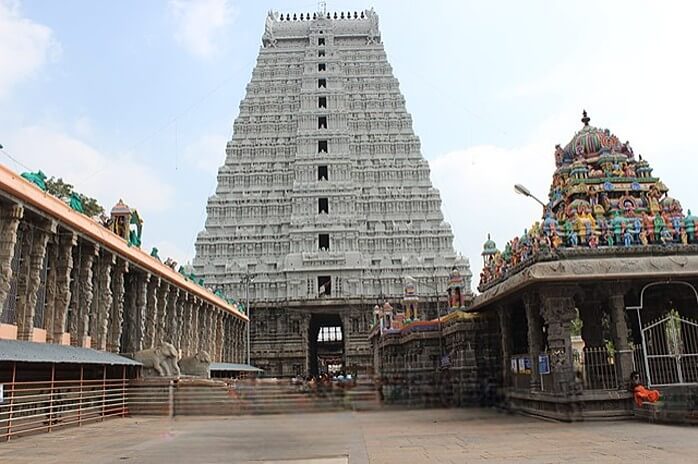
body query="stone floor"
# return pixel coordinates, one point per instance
(414, 436)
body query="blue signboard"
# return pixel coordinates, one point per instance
(543, 364)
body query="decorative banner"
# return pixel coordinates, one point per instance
(543, 364)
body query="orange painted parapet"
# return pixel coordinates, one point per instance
(27, 192)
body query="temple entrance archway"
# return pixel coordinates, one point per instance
(326, 340)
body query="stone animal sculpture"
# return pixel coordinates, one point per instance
(196, 365)
(162, 358)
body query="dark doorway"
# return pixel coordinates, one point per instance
(326, 340)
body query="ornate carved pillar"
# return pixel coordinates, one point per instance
(102, 301)
(180, 324)
(51, 278)
(226, 337)
(218, 344)
(141, 309)
(9, 221)
(83, 292)
(151, 312)
(173, 315)
(116, 318)
(210, 330)
(558, 310)
(619, 332)
(535, 335)
(64, 266)
(187, 326)
(29, 276)
(162, 312)
(506, 343)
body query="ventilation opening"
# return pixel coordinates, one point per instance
(321, 41)
(322, 83)
(323, 205)
(322, 146)
(322, 173)
(322, 102)
(322, 122)
(321, 53)
(329, 334)
(324, 285)
(322, 67)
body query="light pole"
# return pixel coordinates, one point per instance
(521, 190)
(247, 279)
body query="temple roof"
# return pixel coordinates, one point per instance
(601, 195)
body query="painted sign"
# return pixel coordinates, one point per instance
(543, 364)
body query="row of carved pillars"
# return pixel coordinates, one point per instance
(555, 308)
(91, 293)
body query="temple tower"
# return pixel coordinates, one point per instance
(324, 203)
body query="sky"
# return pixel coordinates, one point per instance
(135, 100)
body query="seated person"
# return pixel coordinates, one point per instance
(641, 394)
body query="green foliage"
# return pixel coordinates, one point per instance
(64, 190)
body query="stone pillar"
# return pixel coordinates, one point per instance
(619, 332)
(535, 336)
(187, 326)
(217, 333)
(9, 221)
(51, 279)
(29, 275)
(558, 310)
(210, 330)
(162, 314)
(226, 338)
(102, 301)
(141, 310)
(179, 325)
(82, 293)
(196, 327)
(506, 346)
(151, 312)
(64, 266)
(116, 318)
(173, 317)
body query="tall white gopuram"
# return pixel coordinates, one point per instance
(324, 198)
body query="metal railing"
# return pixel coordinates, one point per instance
(597, 365)
(43, 406)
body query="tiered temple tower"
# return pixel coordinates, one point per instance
(324, 201)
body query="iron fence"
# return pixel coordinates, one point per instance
(671, 350)
(597, 366)
(43, 406)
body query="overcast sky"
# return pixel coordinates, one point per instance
(136, 100)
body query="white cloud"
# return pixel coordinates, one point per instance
(25, 46)
(207, 153)
(104, 176)
(199, 24)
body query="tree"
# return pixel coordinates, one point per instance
(63, 190)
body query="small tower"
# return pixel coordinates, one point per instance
(489, 249)
(456, 289)
(410, 300)
(121, 219)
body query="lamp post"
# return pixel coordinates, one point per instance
(247, 279)
(521, 190)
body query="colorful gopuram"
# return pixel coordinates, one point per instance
(602, 196)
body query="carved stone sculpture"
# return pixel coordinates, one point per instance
(196, 365)
(162, 358)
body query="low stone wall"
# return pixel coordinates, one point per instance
(455, 363)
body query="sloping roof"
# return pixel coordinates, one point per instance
(233, 367)
(21, 351)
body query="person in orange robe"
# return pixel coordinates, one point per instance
(641, 394)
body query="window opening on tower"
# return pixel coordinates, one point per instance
(321, 67)
(324, 285)
(322, 102)
(322, 83)
(322, 146)
(323, 242)
(321, 53)
(323, 206)
(322, 173)
(322, 122)
(321, 41)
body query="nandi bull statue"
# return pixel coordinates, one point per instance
(196, 365)
(162, 358)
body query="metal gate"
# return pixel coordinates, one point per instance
(671, 350)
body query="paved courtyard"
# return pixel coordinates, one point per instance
(414, 436)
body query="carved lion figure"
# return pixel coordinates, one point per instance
(162, 358)
(196, 365)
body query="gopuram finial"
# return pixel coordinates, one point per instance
(585, 118)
